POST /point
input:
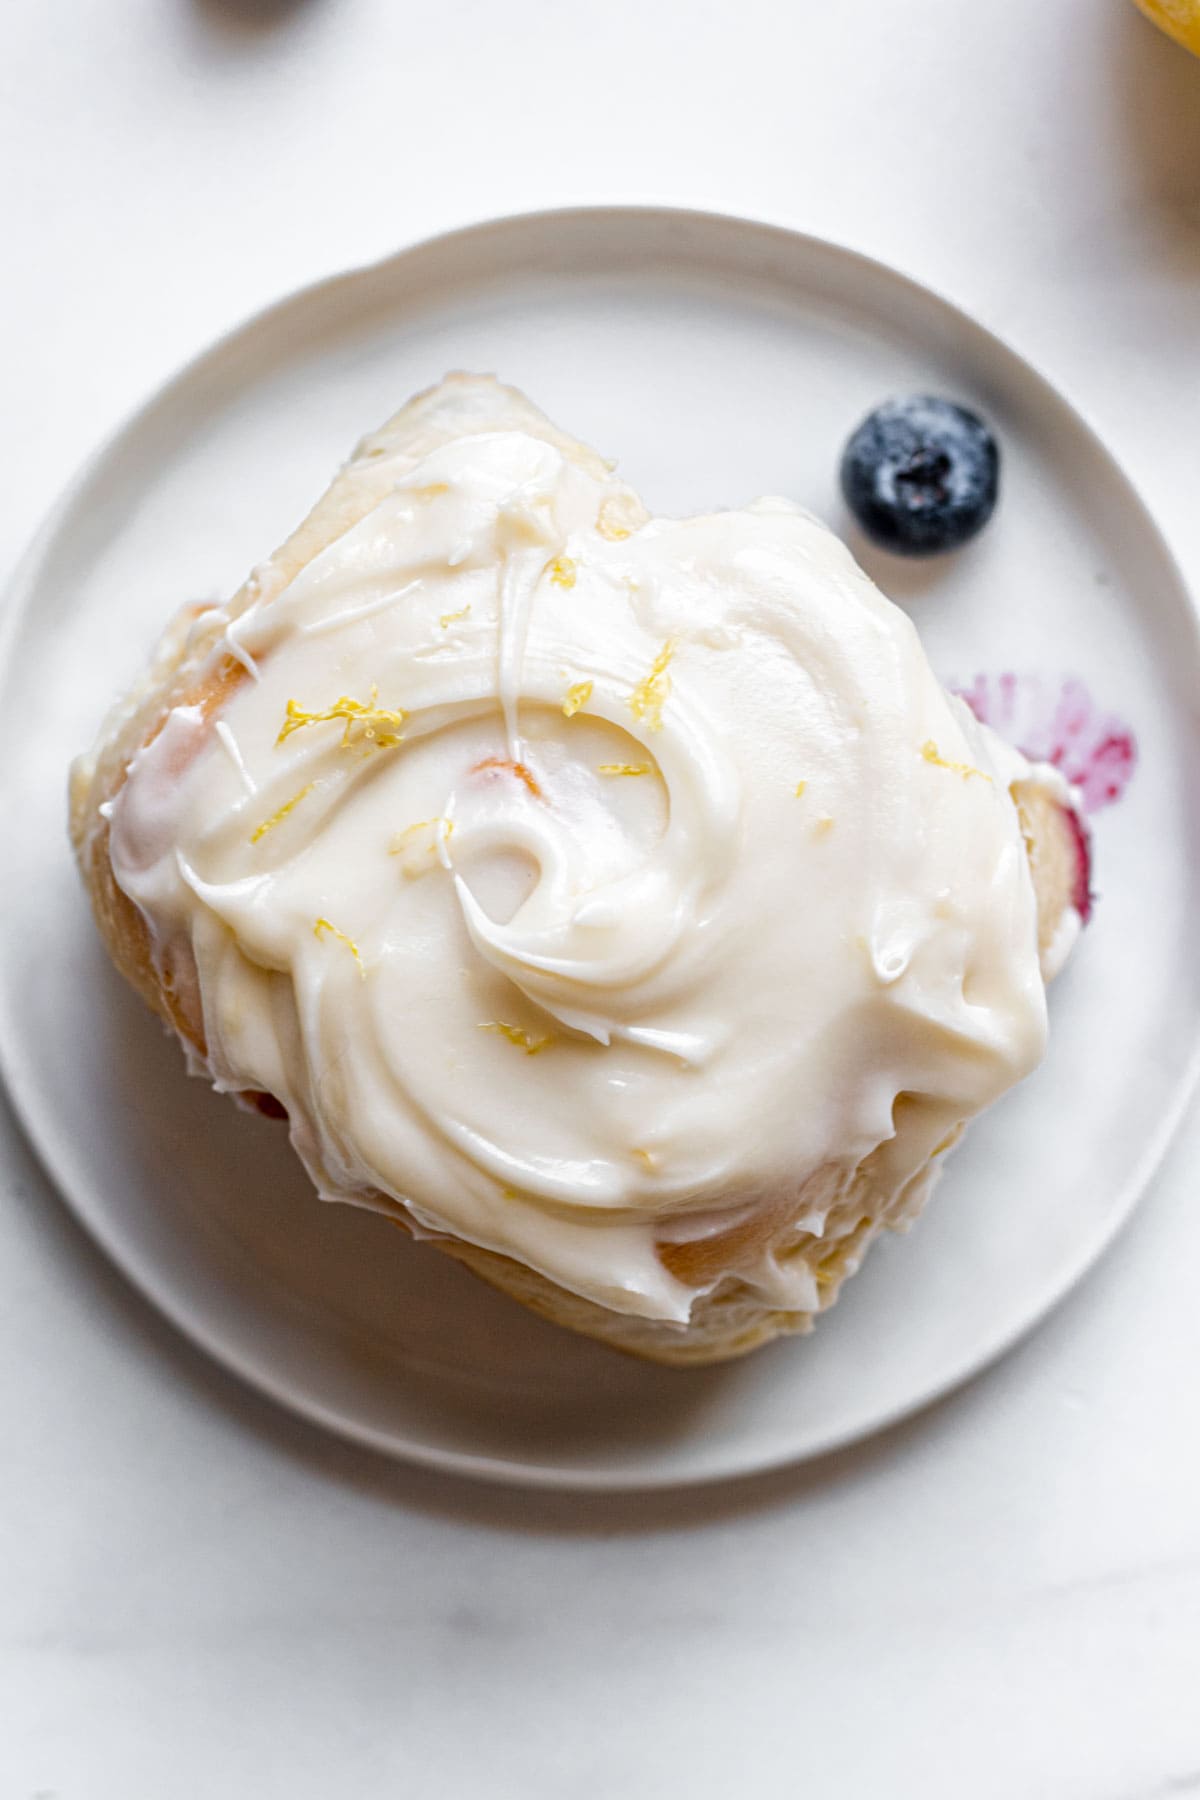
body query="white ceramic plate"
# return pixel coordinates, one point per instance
(719, 359)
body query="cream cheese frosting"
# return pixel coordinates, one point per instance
(581, 882)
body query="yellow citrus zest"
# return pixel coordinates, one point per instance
(932, 754)
(380, 726)
(419, 846)
(524, 1040)
(650, 695)
(442, 828)
(323, 925)
(280, 813)
(562, 572)
(624, 768)
(454, 617)
(577, 698)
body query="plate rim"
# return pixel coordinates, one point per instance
(38, 1133)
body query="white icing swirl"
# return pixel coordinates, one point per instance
(576, 886)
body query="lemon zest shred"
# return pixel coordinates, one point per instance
(932, 754)
(366, 713)
(800, 787)
(562, 572)
(442, 826)
(524, 1040)
(280, 813)
(624, 768)
(824, 824)
(645, 1157)
(651, 694)
(452, 618)
(577, 698)
(323, 925)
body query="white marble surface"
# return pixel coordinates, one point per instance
(199, 1597)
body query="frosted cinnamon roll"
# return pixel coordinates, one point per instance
(619, 904)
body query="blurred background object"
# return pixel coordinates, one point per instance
(1179, 18)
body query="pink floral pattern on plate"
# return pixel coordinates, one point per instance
(1058, 722)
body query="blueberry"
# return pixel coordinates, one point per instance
(921, 475)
